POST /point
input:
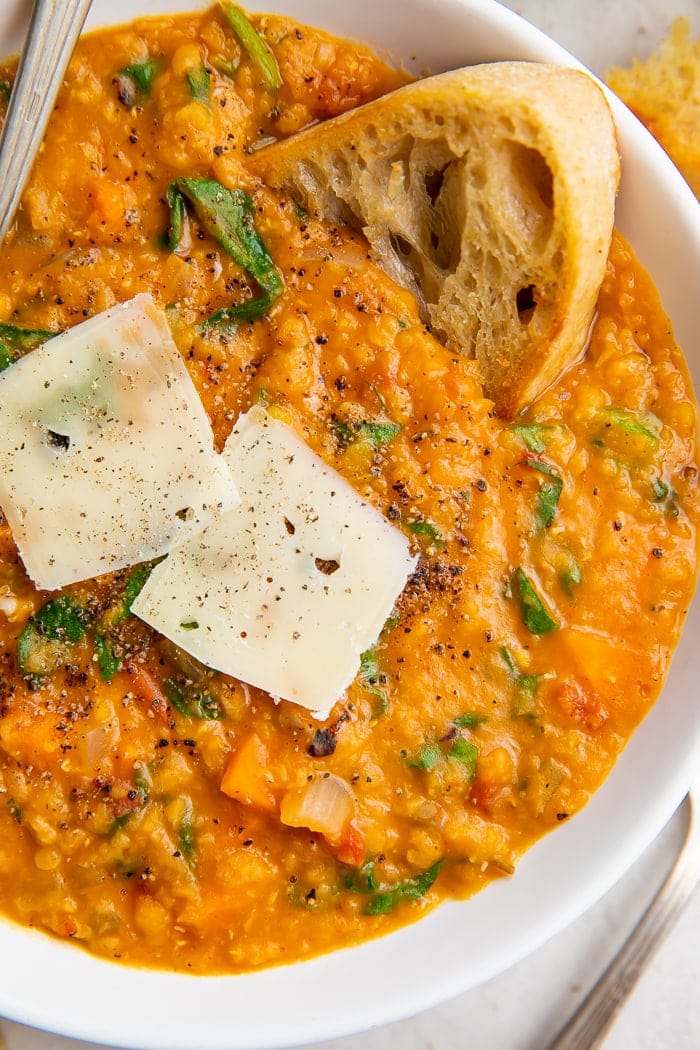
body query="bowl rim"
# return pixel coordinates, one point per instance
(420, 965)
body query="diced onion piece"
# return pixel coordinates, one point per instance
(325, 805)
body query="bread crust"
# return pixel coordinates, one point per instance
(489, 192)
(664, 92)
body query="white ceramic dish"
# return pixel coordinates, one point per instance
(55, 986)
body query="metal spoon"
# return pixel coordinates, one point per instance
(589, 1025)
(53, 31)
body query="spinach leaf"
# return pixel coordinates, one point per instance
(428, 531)
(45, 642)
(108, 662)
(469, 720)
(192, 702)
(427, 757)
(362, 880)
(467, 754)
(187, 839)
(258, 50)
(627, 435)
(376, 434)
(370, 678)
(548, 493)
(15, 341)
(135, 81)
(410, 890)
(61, 619)
(533, 434)
(200, 85)
(227, 215)
(666, 495)
(570, 574)
(526, 685)
(532, 610)
(109, 630)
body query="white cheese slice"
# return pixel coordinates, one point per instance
(106, 453)
(287, 590)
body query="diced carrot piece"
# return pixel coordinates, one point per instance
(112, 202)
(246, 777)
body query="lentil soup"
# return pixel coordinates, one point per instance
(160, 813)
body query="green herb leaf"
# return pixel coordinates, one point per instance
(467, 754)
(410, 890)
(228, 67)
(570, 575)
(187, 839)
(5, 91)
(546, 505)
(61, 619)
(378, 434)
(192, 702)
(469, 720)
(178, 212)
(533, 434)
(627, 435)
(375, 434)
(370, 678)
(427, 757)
(639, 424)
(143, 780)
(45, 643)
(428, 531)
(109, 629)
(362, 880)
(548, 494)
(6, 357)
(135, 584)
(135, 81)
(666, 495)
(16, 341)
(118, 823)
(227, 215)
(258, 49)
(230, 317)
(107, 662)
(200, 85)
(16, 811)
(526, 685)
(532, 609)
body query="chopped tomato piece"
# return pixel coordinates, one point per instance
(349, 847)
(147, 687)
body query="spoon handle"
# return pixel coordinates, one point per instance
(590, 1024)
(53, 31)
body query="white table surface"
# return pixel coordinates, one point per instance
(523, 1007)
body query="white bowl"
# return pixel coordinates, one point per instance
(55, 986)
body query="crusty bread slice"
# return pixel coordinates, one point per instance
(664, 92)
(489, 192)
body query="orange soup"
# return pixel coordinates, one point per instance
(164, 814)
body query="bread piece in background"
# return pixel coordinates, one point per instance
(489, 192)
(664, 92)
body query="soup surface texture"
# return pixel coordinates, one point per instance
(163, 814)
